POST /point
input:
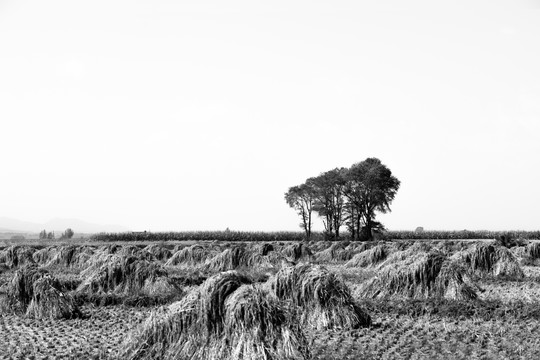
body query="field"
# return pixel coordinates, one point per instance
(319, 300)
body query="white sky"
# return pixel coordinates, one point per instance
(195, 115)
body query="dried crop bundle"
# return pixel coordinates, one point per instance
(298, 251)
(224, 319)
(15, 256)
(159, 252)
(418, 275)
(49, 302)
(265, 249)
(322, 299)
(496, 260)
(127, 276)
(533, 250)
(43, 256)
(234, 258)
(369, 257)
(339, 251)
(190, 256)
(68, 256)
(34, 292)
(453, 282)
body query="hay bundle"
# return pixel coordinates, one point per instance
(452, 282)
(36, 293)
(127, 276)
(21, 288)
(339, 251)
(322, 299)
(64, 256)
(83, 256)
(49, 302)
(298, 251)
(506, 264)
(110, 249)
(132, 250)
(266, 248)
(533, 250)
(224, 319)
(159, 252)
(15, 256)
(234, 258)
(68, 256)
(369, 257)
(497, 260)
(412, 275)
(190, 256)
(43, 256)
(482, 257)
(259, 326)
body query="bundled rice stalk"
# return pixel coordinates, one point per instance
(369, 257)
(265, 249)
(298, 251)
(127, 276)
(452, 283)
(411, 276)
(481, 258)
(224, 319)
(15, 256)
(110, 249)
(83, 256)
(49, 302)
(34, 292)
(533, 250)
(234, 258)
(339, 251)
(43, 256)
(190, 256)
(507, 264)
(132, 250)
(70, 256)
(20, 288)
(322, 299)
(159, 252)
(496, 260)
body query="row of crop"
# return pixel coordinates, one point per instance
(201, 236)
(464, 234)
(298, 236)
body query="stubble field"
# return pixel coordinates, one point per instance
(420, 305)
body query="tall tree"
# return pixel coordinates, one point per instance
(301, 198)
(330, 200)
(375, 189)
(68, 234)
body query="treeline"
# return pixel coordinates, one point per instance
(200, 236)
(348, 197)
(283, 236)
(68, 234)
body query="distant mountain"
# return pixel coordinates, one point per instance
(57, 225)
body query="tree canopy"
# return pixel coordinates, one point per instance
(346, 196)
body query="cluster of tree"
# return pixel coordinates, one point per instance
(68, 234)
(346, 197)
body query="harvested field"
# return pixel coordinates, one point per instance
(455, 300)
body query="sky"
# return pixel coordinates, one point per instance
(199, 115)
